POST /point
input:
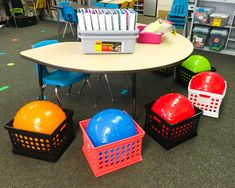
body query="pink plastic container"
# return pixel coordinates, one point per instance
(151, 38)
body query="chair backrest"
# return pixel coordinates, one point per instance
(179, 7)
(132, 4)
(124, 5)
(45, 72)
(61, 4)
(111, 6)
(40, 4)
(17, 11)
(100, 5)
(69, 14)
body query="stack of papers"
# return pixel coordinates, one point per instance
(107, 19)
(160, 26)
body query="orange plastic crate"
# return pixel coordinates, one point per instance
(114, 156)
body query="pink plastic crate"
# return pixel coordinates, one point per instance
(111, 157)
(208, 102)
(151, 38)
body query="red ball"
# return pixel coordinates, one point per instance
(208, 81)
(173, 108)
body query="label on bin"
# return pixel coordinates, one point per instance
(199, 39)
(106, 46)
(217, 22)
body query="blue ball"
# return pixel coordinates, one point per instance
(109, 126)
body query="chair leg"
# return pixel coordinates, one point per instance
(42, 90)
(107, 81)
(126, 80)
(80, 91)
(99, 78)
(57, 95)
(92, 92)
(65, 29)
(71, 27)
(70, 87)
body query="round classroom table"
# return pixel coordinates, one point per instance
(147, 57)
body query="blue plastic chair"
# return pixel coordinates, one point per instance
(70, 18)
(61, 22)
(61, 78)
(112, 6)
(179, 8)
(179, 13)
(61, 4)
(100, 5)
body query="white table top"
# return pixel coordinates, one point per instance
(69, 56)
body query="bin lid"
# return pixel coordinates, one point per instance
(204, 9)
(219, 14)
(222, 32)
(204, 30)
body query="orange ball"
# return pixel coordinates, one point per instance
(39, 116)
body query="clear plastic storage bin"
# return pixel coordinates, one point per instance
(217, 39)
(108, 41)
(200, 35)
(202, 14)
(219, 19)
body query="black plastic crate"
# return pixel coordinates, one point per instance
(43, 146)
(183, 75)
(168, 71)
(23, 21)
(169, 135)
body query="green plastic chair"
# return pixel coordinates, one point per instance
(16, 11)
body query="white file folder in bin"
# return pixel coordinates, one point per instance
(108, 41)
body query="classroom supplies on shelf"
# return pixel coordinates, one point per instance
(202, 14)
(217, 39)
(219, 19)
(200, 35)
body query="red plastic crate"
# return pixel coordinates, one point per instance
(114, 156)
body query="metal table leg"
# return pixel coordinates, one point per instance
(133, 80)
(41, 97)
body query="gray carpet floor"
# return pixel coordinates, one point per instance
(204, 161)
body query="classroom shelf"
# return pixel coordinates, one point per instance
(223, 6)
(228, 51)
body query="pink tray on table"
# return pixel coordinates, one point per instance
(151, 38)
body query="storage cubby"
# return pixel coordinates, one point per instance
(220, 6)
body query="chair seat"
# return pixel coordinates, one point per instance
(176, 15)
(63, 78)
(180, 21)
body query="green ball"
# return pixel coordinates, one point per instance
(197, 63)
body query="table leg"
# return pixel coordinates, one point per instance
(41, 97)
(133, 81)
